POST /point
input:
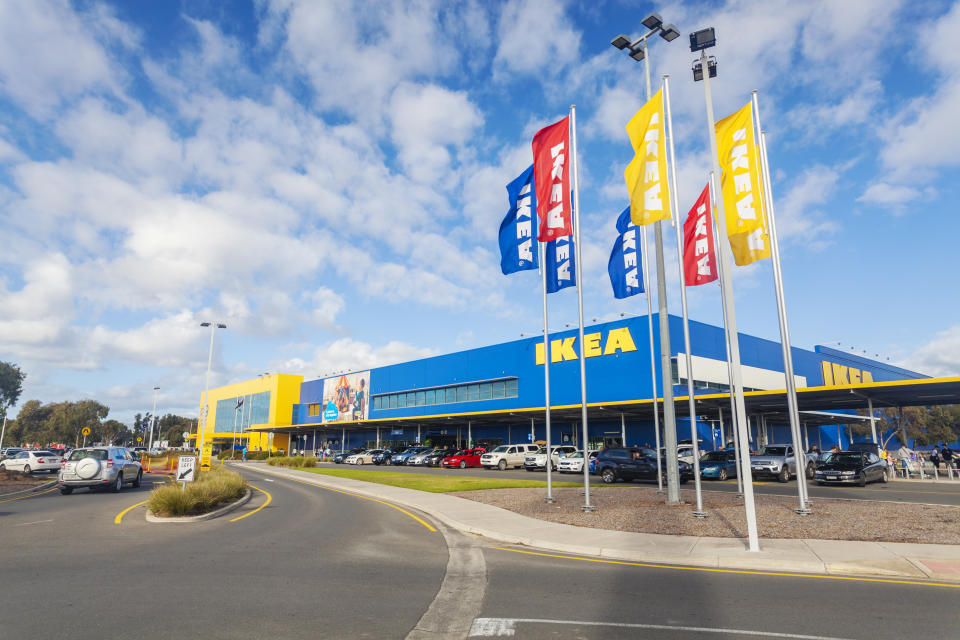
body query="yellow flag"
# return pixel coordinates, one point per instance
(742, 189)
(646, 174)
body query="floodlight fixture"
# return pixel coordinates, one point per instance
(703, 39)
(669, 33)
(652, 21)
(698, 69)
(638, 53)
(204, 324)
(621, 42)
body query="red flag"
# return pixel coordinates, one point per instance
(699, 252)
(551, 175)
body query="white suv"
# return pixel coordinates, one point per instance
(538, 460)
(507, 455)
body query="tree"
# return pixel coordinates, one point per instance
(116, 432)
(171, 428)
(30, 422)
(11, 386)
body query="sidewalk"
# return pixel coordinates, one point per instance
(829, 557)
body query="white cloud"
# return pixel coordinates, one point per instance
(797, 213)
(940, 356)
(889, 195)
(353, 355)
(535, 37)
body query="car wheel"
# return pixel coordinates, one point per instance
(784, 475)
(863, 479)
(722, 475)
(463, 464)
(608, 475)
(359, 460)
(884, 477)
(136, 483)
(66, 490)
(502, 465)
(3, 467)
(26, 470)
(118, 485)
(810, 471)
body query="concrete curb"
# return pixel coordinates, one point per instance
(41, 487)
(826, 557)
(204, 516)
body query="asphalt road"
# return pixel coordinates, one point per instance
(943, 492)
(319, 563)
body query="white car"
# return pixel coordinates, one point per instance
(538, 461)
(507, 455)
(573, 462)
(28, 461)
(364, 457)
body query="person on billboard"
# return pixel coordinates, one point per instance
(343, 394)
(359, 400)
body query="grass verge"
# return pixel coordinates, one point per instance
(435, 483)
(211, 490)
(292, 461)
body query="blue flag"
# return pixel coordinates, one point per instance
(518, 244)
(558, 256)
(624, 263)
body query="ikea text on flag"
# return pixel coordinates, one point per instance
(518, 250)
(741, 187)
(551, 154)
(646, 175)
(558, 262)
(699, 254)
(624, 263)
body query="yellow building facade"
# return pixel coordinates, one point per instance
(260, 403)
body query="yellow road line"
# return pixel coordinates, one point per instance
(125, 511)
(268, 501)
(739, 571)
(357, 495)
(32, 495)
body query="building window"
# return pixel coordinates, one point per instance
(462, 393)
(430, 397)
(313, 409)
(498, 390)
(486, 391)
(511, 388)
(448, 395)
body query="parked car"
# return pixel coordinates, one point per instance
(869, 447)
(435, 458)
(362, 457)
(403, 456)
(634, 463)
(340, 457)
(721, 464)
(464, 458)
(852, 466)
(573, 462)
(383, 457)
(777, 460)
(109, 467)
(507, 455)
(10, 452)
(29, 460)
(538, 460)
(419, 458)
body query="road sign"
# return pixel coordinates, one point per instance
(205, 456)
(270, 435)
(186, 434)
(139, 439)
(186, 465)
(85, 431)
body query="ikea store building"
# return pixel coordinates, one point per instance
(495, 395)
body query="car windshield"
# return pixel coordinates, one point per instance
(575, 454)
(460, 453)
(846, 458)
(501, 449)
(96, 454)
(714, 456)
(42, 453)
(772, 451)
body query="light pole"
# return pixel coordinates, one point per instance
(704, 69)
(205, 410)
(638, 51)
(153, 418)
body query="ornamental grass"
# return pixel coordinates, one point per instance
(211, 489)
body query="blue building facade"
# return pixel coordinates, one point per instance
(465, 387)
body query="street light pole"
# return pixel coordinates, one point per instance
(205, 410)
(153, 418)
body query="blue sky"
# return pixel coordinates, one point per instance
(328, 178)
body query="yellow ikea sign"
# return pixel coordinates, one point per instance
(563, 349)
(835, 374)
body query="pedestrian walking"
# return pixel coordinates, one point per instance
(947, 456)
(935, 458)
(244, 453)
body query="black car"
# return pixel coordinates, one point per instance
(435, 458)
(340, 457)
(383, 457)
(634, 463)
(851, 466)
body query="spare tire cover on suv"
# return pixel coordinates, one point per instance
(87, 468)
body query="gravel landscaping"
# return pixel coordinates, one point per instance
(642, 510)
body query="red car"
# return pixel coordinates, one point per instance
(465, 458)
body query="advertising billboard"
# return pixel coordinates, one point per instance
(346, 397)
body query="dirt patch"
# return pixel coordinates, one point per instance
(642, 510)
(12, 482)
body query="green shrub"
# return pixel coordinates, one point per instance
(211, 489)
(251, 455)
(292, 461)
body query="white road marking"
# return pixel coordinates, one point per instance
(23, 524)
(500, 627)
(267, 480)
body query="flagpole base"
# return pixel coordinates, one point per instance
(700, 514)
(803, 512)
(550, 499)
(588, 508)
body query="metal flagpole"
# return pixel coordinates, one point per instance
(3, 431)
(236, 418)
(873, 421)
(691, 400)
(734, 353)
(784, 326)
(623, 433)
(546, 369)
(578, 274)
(653, 359)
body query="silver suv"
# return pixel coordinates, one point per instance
(99, 467)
